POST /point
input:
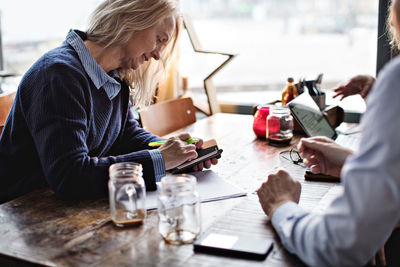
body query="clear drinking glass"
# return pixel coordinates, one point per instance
(179, 209)
(127, 193)
(279, 126)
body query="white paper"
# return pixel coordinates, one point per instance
(210, 187)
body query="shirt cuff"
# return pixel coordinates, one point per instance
(158, 163)
(285, 216)
(284, 212)
(284, 219)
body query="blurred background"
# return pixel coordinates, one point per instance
(273, 40)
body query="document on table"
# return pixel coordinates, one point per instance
(210, 187)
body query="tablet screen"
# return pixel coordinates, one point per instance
(309, 116)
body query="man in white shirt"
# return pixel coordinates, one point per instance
(362, 218)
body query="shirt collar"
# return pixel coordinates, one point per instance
(98, 76)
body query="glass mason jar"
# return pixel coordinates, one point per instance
(179, 209)
(279, 126)
(127, 193)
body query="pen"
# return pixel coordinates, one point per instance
(159, 143)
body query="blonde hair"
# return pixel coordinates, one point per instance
(394, 13)
(114, 22)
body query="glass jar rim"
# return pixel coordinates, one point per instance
(125, 170)
(180, 181)
(280, 110)
(265, 106)
(178, 178)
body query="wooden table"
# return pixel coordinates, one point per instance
(37, 228)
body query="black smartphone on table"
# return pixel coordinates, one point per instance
(319, 177)
(232, 245)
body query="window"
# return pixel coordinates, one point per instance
(274, 39)
(277, 39)
(31, 28)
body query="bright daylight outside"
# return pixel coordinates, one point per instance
(273, 40)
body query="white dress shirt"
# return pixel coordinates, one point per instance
(357, 223)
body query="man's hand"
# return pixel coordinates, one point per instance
(277, 190)
(323, 155)
(360, 84)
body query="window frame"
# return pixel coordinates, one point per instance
(385, 52)
(1, 47)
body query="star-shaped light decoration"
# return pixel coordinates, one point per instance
(209, 87)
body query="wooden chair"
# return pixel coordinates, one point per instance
(168, 116)
(6, 102)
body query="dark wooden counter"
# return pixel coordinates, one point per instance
(37, 228)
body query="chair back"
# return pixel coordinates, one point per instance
(6, 102)
(168, 116)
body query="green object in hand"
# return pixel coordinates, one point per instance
(159, 143)
(192, 140)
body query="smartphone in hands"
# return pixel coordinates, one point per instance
(208, 150)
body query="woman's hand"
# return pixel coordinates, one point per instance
(360, 84)
(323, 155)
(176, 151)
(206, 164)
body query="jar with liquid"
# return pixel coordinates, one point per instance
(127, 194)
(179, 209)
(279, 126)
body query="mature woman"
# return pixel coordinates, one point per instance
(71, 118)
(362, 218)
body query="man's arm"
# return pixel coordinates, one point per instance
(349, 233)
(357, 223)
